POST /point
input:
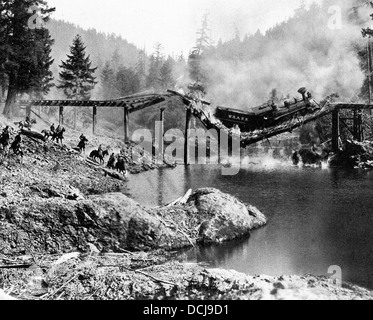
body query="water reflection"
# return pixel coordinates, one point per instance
(218, 255)
(317, 218)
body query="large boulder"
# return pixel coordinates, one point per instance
(212, 217)
(224, 217)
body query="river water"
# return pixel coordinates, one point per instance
(317, 218)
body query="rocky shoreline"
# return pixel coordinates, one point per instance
(67, 231)
(131, 276)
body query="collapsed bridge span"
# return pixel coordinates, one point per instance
(204, 111)
(210, 121)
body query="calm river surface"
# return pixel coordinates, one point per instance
(317, 218)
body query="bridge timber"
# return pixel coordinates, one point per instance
(202, 110)
(130, 104)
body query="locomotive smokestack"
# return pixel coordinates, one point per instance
(303, 92)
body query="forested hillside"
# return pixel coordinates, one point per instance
(101, 47)
(241, 72)
(306, 50)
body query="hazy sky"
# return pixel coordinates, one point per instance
(174, 23)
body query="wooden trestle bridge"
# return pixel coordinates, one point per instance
(196, 108)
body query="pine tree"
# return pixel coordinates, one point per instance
(42, 79)
(152, 78)
(203, 40)
(3, 85)
(166, 74)
(116, 60)
(25, 52)
(76, 77)
(108, 90)
(195, 57)
(141, 68)
(127, 82)
(156, 62)
(368, 61)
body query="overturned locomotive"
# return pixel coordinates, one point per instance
(269, 114)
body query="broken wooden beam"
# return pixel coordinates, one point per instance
(126, 126)
(33, 134)
(16, 266)
(335, 130)
(182, 200)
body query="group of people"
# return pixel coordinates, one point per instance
(27, 124)
(118, 162)
(6, 144)
(57, 134)
(115, 162)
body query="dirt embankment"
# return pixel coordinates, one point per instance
(55, 203)
(131, 276)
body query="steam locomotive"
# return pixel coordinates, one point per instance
(269, 114)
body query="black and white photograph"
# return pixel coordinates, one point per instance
(186, 154)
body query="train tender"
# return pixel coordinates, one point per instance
(269, 114)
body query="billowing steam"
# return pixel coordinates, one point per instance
(304, 51)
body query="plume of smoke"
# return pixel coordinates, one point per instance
(304, 51)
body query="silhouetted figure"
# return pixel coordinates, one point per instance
(58, 135)
(100, 155)
(5, 138)
(16, 145)
(82, 143)
(112, 161)
(121, 165)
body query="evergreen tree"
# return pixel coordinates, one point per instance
(108, 90)
(203, 40)
(3, 85)
(156, 62)
(25, 50)
(141, 68)
(127, 82)
(367, 60)
(152, 78)
(166, 74)
(116, 60)
(76, 76)
(43, 76)
(196, 56)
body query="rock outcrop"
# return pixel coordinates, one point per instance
(54, 202)
(223, 217)
(115, 222)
